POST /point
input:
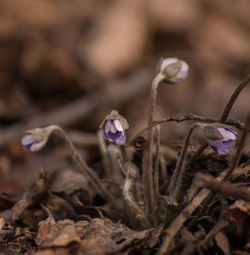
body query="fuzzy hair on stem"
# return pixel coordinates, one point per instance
(131, 173)
(147, 157)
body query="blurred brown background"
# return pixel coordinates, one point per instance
(63, 61)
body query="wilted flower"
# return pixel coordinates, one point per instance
(175, 70)
(114, 127)
(220, 138)
(36, 139)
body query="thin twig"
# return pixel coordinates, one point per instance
(234, 97)
(225, 189)
(240, 147)
(177, 224)
(217, 228)
(188, 117)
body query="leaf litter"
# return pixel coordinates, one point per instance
(58, 210)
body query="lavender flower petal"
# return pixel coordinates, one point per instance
(27, 139)
(228, 144)
(222, 144)
(114, 132)
(121, 139)
(220, 150)
(27, 147)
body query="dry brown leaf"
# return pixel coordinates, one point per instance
(81, 227)
(103, 237)
(69, 181)
(34, 194)
(59, 235)
(238, 214)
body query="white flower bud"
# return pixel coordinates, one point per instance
(174, 70)
(36, 139)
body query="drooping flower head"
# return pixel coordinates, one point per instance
(36, 139)
(220, 138)
(174, 70)
(114, 126)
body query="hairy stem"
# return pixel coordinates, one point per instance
(157, 164)
(240, 147)
(147, 157)
(131, 174)
(175, 183)
(86, 168)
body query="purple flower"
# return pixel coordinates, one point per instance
(36, 139)
(114, 132)
(114, 126)
(29, 142)
(221, 139)
(175, 70)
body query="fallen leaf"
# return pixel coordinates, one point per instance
(59, 235)
(34, 195)
(238, 213)
(104, 237)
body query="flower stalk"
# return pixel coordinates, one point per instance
(176, 180)
(171, 70)
(147, 157)
(44, 134)
(132, 175)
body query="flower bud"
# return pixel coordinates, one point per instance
(36, 139)
(114, 126)
(173, 69)
(221, 138)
